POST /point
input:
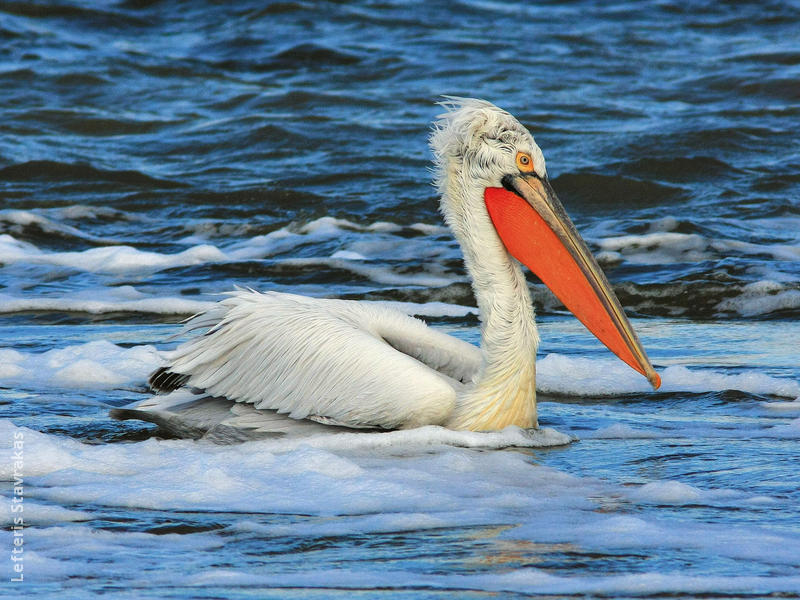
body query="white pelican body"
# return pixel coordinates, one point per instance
(363, 365)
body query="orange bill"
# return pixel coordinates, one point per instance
(536, 230)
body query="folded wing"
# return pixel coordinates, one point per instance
(341, 362)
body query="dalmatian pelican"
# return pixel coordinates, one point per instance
(293, 359)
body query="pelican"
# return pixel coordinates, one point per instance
(313, 362)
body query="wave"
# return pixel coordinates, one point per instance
(29, 226)
(591, 192)
(703, 299)
(669, 247)
(128, 300)
(85, 213)
(763, 298)
(48, 170)
(109, 259)
(21, 75)
(89, 16)
(305, 55)
(301, 56)
(88, 123)
(127, 259)
(706, 299)
(115, 300)
(661, 246)
(685, 274)
(677, 168)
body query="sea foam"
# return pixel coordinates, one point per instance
(413, 482)
(93, 365)
(560, 374)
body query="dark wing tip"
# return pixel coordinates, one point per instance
(163, 381)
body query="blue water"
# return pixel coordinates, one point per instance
(153, 155)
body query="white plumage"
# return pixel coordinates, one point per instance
(327, 360)
(361, 364)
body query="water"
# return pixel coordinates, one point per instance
(153, 155)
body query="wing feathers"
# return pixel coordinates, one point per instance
(351, 363)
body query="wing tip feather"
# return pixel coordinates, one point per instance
(163, 381)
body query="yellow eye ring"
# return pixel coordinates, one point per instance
(524, 162)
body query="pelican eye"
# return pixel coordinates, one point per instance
(524, 162)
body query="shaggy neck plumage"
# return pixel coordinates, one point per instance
(504, 392)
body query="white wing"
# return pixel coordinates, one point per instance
(336, 361)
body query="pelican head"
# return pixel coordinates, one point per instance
(497, 199)
(476, 140)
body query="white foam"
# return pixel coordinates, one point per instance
(762, 298)
(16, 220)
(663, 246)
(105, 300)
(36, 513)
(793, 406)
(519, 580)
(381, 245)
(656, 248)
(410, 481)
(327, 474)
(82, 211)
(127, 299)
(525, 580)
(431, 436)
(328, 226)
(560, 374)
(94, 365)
(276, 242)
(384, 227)
(431, 229)
(287, 238)
(348, 255)
(679, 378)
(667, 492)
(109, 259)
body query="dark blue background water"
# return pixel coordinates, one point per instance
(265, 114)
(153, 154)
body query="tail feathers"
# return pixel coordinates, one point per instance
(181, 414)
(185, 414)
(164, 381)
